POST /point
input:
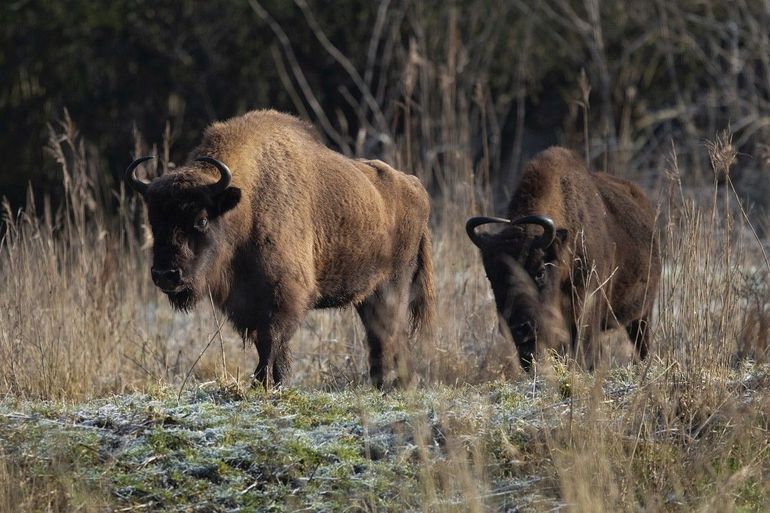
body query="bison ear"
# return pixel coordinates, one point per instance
(553, 251)
(227, 200)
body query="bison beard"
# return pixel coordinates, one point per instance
(273, 224)
(568, 233)
(183, 300)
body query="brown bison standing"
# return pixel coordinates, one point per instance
(577, 249)
(293, 226)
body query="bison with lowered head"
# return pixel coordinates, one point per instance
(273, 223)
(577, 251)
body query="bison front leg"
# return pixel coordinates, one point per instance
(639, 333)
(584, 348)
(263, 351)
(272, 341)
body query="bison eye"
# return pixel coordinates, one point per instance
(201, 224)
(540, 277)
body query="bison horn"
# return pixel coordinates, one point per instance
(225, 178)
(482, 241)
(549, 232)
(132, 180)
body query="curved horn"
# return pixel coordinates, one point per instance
(549, 231)
(132, 180)
(225, 177)
(482, 241)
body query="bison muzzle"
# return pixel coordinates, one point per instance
(272, 223)
(575, 255)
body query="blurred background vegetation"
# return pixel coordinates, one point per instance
(420, 83)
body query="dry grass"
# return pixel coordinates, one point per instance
(50, 488)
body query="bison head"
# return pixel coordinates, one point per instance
(185, 214)
(523, 267)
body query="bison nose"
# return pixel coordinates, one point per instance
(526, 356)
(167, 279)
(523, 331)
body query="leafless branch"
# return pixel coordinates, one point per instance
(315, 105)
(348, 66)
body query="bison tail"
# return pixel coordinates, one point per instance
(423, 301)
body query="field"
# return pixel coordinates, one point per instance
(112, 401)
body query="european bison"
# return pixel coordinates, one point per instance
(576, 250)
(293, 226)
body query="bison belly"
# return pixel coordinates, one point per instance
(357, 266)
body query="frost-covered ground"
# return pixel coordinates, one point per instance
(219, 447)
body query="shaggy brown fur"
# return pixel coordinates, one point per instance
(300, 227)
(600, 271)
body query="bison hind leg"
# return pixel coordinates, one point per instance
(377, 338)
(282, 363)
(383, 315)
(639, 333)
